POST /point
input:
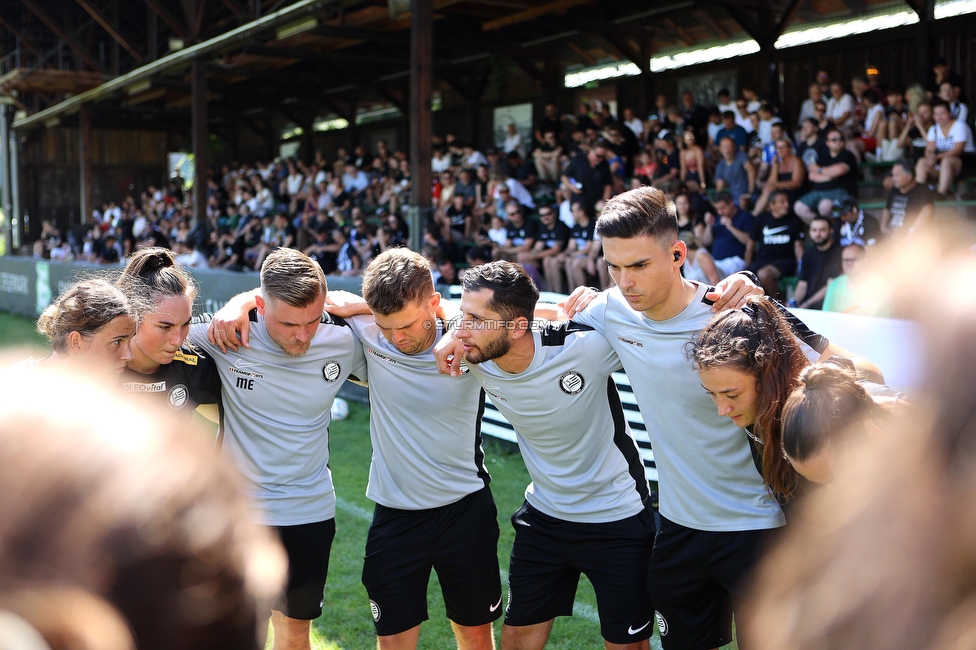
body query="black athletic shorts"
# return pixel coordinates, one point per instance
(785, 265)
(696, 579)
(459, 541)
(549, 554)
(308, 547)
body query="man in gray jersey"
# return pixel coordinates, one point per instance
(277, 396)
(427, 475)
(713, 505)
(586, 510)
(433, 505)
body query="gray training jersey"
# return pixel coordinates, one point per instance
(276, 414)
(708, 480)
(571, 429)
(425, 427)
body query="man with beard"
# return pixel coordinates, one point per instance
(587, 508)
(277, 397)
(819, 264)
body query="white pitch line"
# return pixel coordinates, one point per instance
(354, 510)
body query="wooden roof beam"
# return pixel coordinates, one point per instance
(678, 30)
(75, 46)
(23, 41)
(711, 23)
(114, 33)
(167, 18)
(531, 14)
(624, 48)
(787, 18)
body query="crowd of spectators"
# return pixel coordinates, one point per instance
(753, 189)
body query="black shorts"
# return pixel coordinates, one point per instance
(459, 541)
(549, 554)
(308, 547)
(697, 578)
(785, 265)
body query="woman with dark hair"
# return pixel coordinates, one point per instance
(829, 408)
(90, 326)
(692, 163)
(163, 366)
(749, 361)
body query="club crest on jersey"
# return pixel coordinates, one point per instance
(331, 370)
(374, 609)
(178, 396)
(662, 624)
(571, 382)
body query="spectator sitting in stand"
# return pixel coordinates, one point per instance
(820, 263)
(520, 233)
(472, 158)
(834, 177)
(946, 142)
(552, 240)
(588, 176)
(910, 204)
(546, 157)
(667, 172)
(735, 174)
(521, 171)
(855, 226)
(727, 235)
(110, 253)
(730, 129)
(775, 244)
(845, 293)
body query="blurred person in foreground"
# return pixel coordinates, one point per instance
(883, 556)
(123, 532)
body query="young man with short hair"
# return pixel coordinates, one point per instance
(277, 397)
(775, 243)
(910, 204)
(714, 509)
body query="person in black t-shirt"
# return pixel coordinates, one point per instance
(775, 243)
(819, 264)
(588, 176)
(552, 240)
(458, 220)
(833, 177)
(520, 233)
(909, 205)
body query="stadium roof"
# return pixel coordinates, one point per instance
(306, 58)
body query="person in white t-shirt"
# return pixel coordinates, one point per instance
(945, 143)
(633, 123)
(840, 107)
(513, 141)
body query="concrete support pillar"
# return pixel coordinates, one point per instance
(421, 121)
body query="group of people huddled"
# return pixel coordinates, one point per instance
(747, 411)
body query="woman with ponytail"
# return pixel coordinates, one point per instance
(163, 365)
(828, 409)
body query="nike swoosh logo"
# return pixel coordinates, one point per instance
(631, 630)
(772, 231)
(630, 332)
(241, 363)
(499, 603)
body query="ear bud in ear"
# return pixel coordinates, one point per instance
(677, 255)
